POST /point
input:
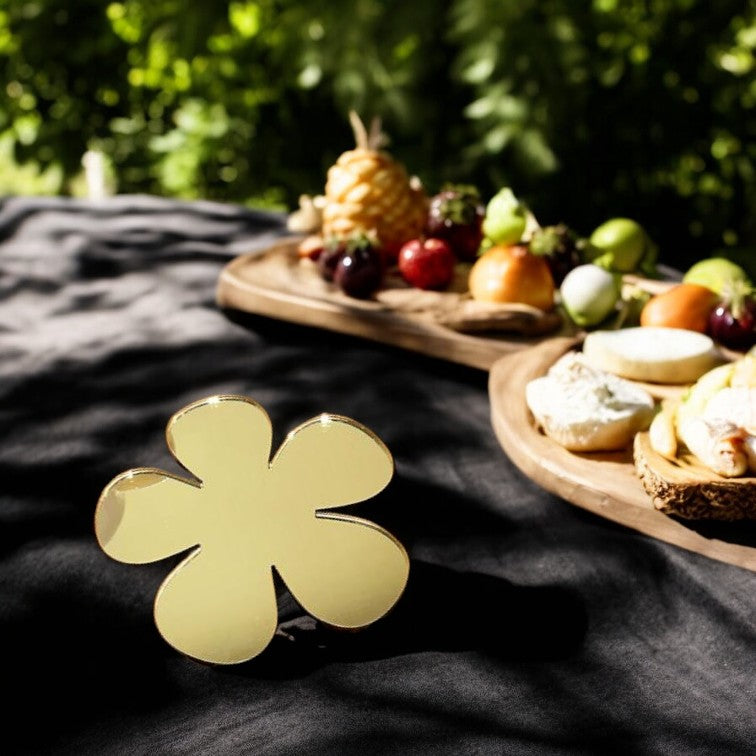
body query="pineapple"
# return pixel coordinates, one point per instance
(368, 192)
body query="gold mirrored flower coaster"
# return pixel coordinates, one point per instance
(244, 513)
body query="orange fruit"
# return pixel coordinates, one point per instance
(686, 305)
(510, 273)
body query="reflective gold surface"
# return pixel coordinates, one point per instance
(244, 514)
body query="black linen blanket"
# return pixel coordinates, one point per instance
(528, 625)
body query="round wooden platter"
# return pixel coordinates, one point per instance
(448, 325)
(603, 483)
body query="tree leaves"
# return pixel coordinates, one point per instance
(589, 109)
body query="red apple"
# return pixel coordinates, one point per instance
(427, 263)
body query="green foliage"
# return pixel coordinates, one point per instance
(619, 108)
(639, 108)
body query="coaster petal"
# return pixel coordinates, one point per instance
(144, 515)
(209, 609)
(344, 570)
(243, 514)
(331, 461)
(221, 436)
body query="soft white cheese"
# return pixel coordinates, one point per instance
(585, 409)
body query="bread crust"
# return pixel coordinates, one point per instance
(678, 491)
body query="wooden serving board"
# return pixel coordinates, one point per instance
(603, 483)
(448, 325)
(687, 488)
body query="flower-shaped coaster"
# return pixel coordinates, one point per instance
(245, 514)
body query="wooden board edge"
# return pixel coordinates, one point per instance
(646, 520)
(380, 325)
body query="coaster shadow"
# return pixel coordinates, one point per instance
(440, 610)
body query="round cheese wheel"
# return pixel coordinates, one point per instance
(653, 355)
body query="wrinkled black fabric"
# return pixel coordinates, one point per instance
(528, 625)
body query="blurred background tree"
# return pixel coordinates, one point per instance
(641, 108)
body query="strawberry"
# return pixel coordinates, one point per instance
(357, 268)
(560, 247)
(456, 215)
(333, 250)
(732, 322)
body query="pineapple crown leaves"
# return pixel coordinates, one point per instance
(459, 203)
(374, 139)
